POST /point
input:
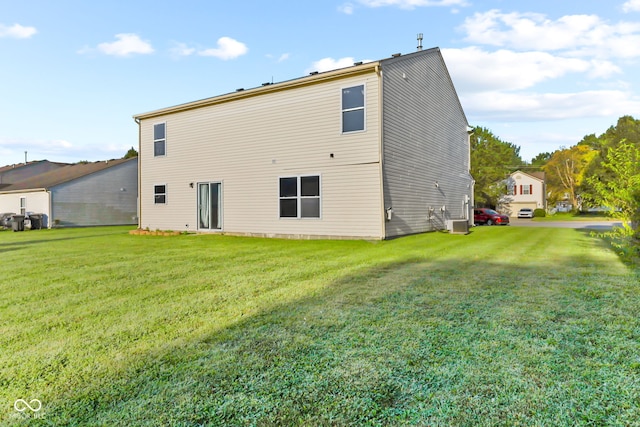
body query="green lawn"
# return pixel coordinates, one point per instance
(572, 216)
(504, 326)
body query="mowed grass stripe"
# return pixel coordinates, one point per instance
(503, 326)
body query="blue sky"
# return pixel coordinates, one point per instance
(538, 74)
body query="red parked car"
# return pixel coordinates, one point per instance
(489, 217)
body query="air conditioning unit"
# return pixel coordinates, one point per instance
(458, 226)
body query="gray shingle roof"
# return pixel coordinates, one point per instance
(64, 174)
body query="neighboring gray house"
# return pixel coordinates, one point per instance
(371, 151)
(18, 172)
(82, 194)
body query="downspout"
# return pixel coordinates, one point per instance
(472, 184)
(139, 172)
(50, 221)
(383, 209)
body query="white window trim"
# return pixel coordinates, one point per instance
(215, 181)
(363, 108)
(164, 140)
(299, 198)
(23, 207)
(166, 193)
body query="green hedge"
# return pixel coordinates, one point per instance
(539, 213)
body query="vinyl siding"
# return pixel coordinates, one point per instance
(36, 202)
(425, 141)
(247, 144)
(98, 199)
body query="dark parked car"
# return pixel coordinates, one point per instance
(489, 217)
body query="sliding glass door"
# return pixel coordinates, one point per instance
(210, 206)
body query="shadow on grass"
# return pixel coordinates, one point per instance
(49, 237)
(417, 341)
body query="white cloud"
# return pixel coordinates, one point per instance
(631, 6)
(125, 45)
(578, 35)
(522, 107)
(346, 8)
(603, 69)
(410, 4)
(328, 64)
(23, 144)
(181, 49)
(37, 149)
(349, 7)
(476, 70)
(281, 58)
(228, 48)
(17, 31)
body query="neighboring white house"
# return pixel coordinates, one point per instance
(82, 194)
(524, 190)
(371, 151)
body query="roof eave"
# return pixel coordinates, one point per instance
(270, 88)
(23, 190)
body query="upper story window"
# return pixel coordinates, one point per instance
(159, 139)
(353, 109)
(300, 197)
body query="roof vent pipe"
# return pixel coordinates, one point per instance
(419, 42)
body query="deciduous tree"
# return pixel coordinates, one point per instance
(492, 160)
(131, 153)
(620, 190)
(565, 172)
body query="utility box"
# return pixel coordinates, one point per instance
(17, 222)
(458, 226)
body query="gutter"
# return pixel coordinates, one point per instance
(137, 120)
(24, 190)
(383, 209)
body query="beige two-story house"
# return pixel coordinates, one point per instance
(372, 151)
(524, 190)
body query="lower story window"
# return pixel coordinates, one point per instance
(300, 197)
(160, 194)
